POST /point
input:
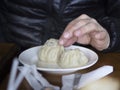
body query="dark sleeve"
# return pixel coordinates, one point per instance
(25, 22)
(1, 21)
(112, 24)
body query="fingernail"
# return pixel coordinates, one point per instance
(61, 42)
(66, 35)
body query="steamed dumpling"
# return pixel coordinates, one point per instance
(50, 52)
(72, 58)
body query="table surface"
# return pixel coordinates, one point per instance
(112, 59)
(7, 53)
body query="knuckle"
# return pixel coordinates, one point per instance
(93, 20)
(92, 25)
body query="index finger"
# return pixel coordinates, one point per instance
(73, 26)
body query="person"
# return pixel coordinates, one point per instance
(89, 22)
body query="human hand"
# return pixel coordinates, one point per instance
(85, 30)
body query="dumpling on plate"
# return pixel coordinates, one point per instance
(50, 52)
(72, 58)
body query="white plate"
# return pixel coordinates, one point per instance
(30, 57)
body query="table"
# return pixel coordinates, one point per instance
(104, 59)
(7, 53)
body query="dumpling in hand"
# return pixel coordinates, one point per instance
(72, 58)
(50, 52)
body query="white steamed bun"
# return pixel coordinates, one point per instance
(50, 52)
(72, 58)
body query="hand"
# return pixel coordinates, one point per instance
(85, 30)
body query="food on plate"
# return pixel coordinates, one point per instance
(53, 53)
(72, 58)
(50, 52)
